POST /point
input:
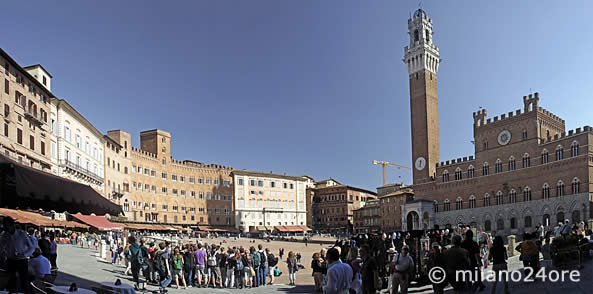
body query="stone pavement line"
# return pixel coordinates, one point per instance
(83, 267)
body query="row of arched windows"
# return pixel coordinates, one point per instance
(512, 163)
(499, 198)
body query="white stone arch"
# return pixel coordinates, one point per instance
(485, 164)
(574, 143)
(458, 169)
(471, 166)
(511, 158)
(498, 160)
(460, 220)
(526, 155)
(544, 151)
(559, 147)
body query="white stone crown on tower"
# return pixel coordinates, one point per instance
(421, 54)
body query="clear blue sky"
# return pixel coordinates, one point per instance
(301, 87)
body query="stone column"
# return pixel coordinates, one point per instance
(511, 245)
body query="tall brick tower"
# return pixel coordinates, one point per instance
(422, 60)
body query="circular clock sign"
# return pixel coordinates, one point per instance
(420, 163)
(504, 137)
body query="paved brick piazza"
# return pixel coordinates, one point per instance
(87, 270)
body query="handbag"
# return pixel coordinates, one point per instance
(252, 272)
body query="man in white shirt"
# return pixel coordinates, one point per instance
(39, 266)
(339, 275)
(401, 265)
(16, 246)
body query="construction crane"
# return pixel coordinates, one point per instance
(385, 164)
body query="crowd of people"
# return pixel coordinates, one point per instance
(203, 265)
(366, 264)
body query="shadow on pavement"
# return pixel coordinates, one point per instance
(296, 289)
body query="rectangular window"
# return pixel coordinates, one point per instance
(182, 179)
(240, 182)
(208, 181)
(227, 183)
(42, 149)
(164, 190)
(6, 129)
(164, 175)
(193, 194)
(200, 180)
(208, 196)
(260, 183)
(192, 180)
(19, 136)
(174, 178)
(6, 87)
(32, 142)
(152, 173)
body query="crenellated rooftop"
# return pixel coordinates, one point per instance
(564, 135)
(531, 104)
(453, 162)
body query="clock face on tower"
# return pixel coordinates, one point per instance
(420, 163)
(504, 137)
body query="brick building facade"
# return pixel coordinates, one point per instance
(165, 190)
(526, 168)
(333, 207)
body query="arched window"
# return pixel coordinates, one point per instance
(527, 194)
(485, 169)
(427, 36)
(512, 163)
(458, 174)
(574, 149)
(545, 156)
(559, 152)
(445, 176)
(447, 205)
(560, 188)
(459, 203)
(528, 222)
(512, 196)
(575, 186)
(546, 220)
(487, 225)
(436, 206)
(576, 217)
(498, 166)
(499, 200)
(472, 201)
(471, 171)
(486, 200)
(500, 224)
(546, 191)
(526, 160)
(513, 223)
(560, 217)
(416, 36)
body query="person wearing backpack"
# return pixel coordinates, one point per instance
(177, 261)
(529, 252)
(221, 259)
(188, 265)
(272, 262)
(255, 265)
(237, 264)
(138, 261)
(213, 269)
(161, 265)
(263, 268)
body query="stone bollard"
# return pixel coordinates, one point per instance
(103, 249)
(511, 245)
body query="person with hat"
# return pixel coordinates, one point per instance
(435, 259)
(401, 265)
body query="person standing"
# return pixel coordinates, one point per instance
(16, 246)
(272, 262)
(188, 265)
(44, 245)
(221, 260)
(238, 268)
(138, 261)
(402, 265)
(200, 255)
(114, 253)
(177, 260)
(292, 268)
(53, 250)
(474, 257)
(435, 259)
(498, 256)
(263, 265)
(317, 272)
(456, 258)
(369, 271)
(339, 275)
(161, 263)
(230, 269)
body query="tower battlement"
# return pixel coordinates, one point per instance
(530, 105)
